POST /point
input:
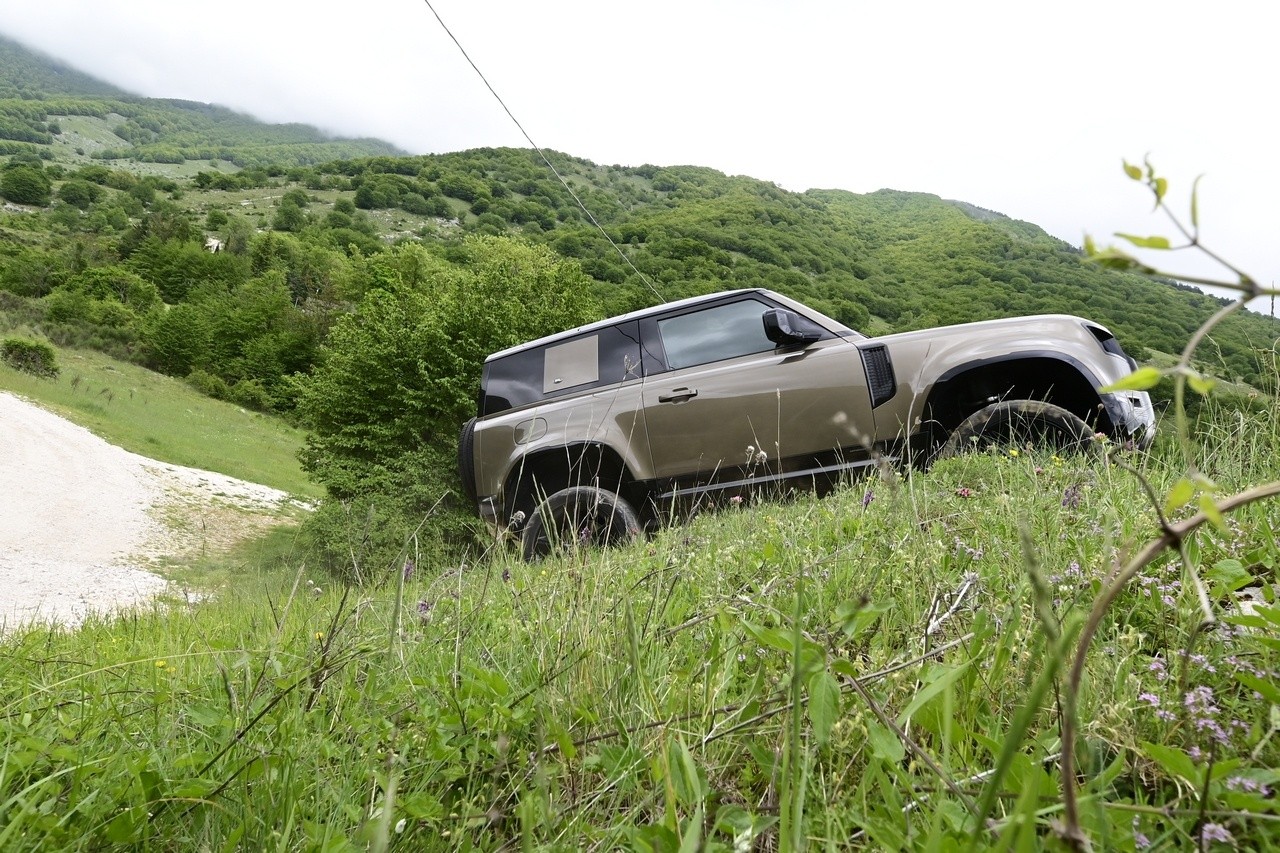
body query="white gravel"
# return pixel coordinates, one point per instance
(81, 520)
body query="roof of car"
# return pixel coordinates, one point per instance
(622, 318)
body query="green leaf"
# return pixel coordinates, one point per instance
(940, 678)
(1132, 171)
(855, 617)
(824, 704)
(1173, 760)
(1228, 576)
(1153, 242)
(1264, 687)
(1200, 383)
(1210, 509)
(775, 637)
(1161, 187)
(885, 744)
(1142, 379)
(692, 840)
(1179, 496)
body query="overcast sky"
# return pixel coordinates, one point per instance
(1026, 108)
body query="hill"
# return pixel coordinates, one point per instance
(51, 110)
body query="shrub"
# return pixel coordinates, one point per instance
(208, 384)
(34, 357)
(251, 394)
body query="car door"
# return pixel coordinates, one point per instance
(729, 405)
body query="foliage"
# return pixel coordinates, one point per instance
(34, 357)
(400, 374)
(25, 184)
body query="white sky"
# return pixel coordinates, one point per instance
(1023, 107)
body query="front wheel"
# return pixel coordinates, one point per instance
(1021, 424)
(577, 517)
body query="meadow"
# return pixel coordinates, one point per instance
(883, 668)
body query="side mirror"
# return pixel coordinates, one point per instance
(788, 329)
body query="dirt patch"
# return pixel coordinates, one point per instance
(83, 523)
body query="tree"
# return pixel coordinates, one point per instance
(289, 217)
(80, 193)
(178, 340)
(26, 184)
(399, 375)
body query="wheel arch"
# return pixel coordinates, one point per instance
(545, 471)
(1053, 377)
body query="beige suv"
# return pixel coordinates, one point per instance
(589, 435)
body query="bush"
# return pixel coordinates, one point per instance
(251, 394)
(34, 357)
(208, 384)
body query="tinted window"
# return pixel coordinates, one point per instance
(605, 357)
(714, 334)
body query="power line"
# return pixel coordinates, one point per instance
(535, 146)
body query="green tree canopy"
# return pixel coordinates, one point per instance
(26, 184)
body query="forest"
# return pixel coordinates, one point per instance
(356, 291)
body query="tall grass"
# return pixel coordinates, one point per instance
(879, 669)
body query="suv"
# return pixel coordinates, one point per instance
(591, 434)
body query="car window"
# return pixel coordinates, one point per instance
(594, 360)
(714, 334)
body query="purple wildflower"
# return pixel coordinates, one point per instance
(1071, 497)
(1215, 832)
(408, 568)
(868, 498)
(1140, 841)
(424, 610)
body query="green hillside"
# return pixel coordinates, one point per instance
(53, 111)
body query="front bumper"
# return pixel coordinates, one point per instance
(1132, 415)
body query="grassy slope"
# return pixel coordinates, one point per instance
(162, 418)
(644, 696)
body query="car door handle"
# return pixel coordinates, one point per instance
(679, 395)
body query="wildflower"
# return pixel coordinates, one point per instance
(1140, 841)
(161, 664)
(1071, 497)
(735, 500)
(506, 575)
(319, 635)
(867, 498)
(1151, 699)
(408, 568)
(424, 610)
(1056, 460)
(1013, 451)
(1215, 832)
(1247, 785)
(964, 492)
(1158, 668)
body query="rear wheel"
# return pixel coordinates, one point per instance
(578, 517)
(467, 463)
(1021, 425)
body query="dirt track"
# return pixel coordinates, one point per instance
(81, 519)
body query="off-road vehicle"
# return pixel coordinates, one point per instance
(591, 434)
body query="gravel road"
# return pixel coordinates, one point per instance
(82, 521)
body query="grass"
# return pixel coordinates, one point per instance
(879, 669)
(162, 418)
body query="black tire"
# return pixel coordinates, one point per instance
(1021, 424)
(467, 464)
(576, 517)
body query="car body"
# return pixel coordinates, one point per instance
(733, 391)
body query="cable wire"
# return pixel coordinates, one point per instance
(536, 148)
